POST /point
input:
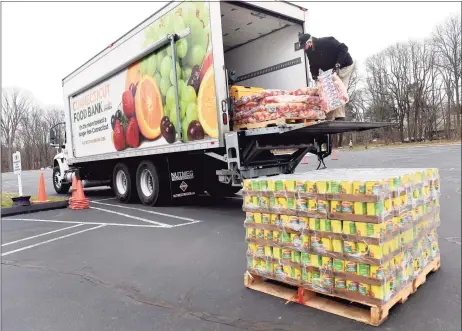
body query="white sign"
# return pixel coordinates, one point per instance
(17, 170)
(16, 163)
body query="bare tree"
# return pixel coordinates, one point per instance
(447, 45)
(15, 105)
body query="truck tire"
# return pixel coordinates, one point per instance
(123, 183)
(60, 187)
(147, 183)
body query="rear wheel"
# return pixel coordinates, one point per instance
(147, 183)
(60, 187)
(123, 183)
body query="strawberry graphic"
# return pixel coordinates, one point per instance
(132, 133)
(128, 103)
(119, 138)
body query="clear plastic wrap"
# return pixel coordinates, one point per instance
(355, 233)
(275, 111)
(333, 93)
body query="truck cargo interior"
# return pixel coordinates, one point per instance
(260, 47)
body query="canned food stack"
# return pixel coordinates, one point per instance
(359, 234)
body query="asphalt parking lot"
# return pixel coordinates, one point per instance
(130, 267)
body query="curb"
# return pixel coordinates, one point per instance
(34, 208)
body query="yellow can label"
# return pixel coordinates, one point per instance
(315, 260)
(375, 251)
(277, 253)
(295, 239)
(360, 208)
(335, 206)
(321, 187)
(362, 248)
(373, 187)
(337, 245)
(312, 206)
(326, 262)
(286, 253)
(257, 217)
(361, 229)
(326, 225)
(276, 236)
(260, 234)
(378, 292)
(295, 273)
(281, 202)
(326, 244)
(252, 249)
(268, 235)
(315, 224)
(290, 185)
(310, 187)
(268, 251)
(302, 204)
(359, 187)
(336, 226)
(264, 202)
(346, 187)
(251, 233)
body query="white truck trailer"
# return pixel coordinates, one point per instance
(150, 114)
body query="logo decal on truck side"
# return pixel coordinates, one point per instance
(182, 175)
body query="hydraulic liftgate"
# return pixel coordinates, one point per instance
(257, 146)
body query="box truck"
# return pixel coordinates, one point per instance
(150, 114)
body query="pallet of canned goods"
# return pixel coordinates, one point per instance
(363, 235)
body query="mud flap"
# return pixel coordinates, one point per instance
(182, 176)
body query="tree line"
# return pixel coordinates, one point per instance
(416, 85)
(25, 127)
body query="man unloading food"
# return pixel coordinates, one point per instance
(328, 53)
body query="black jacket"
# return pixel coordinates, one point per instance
(325, 53)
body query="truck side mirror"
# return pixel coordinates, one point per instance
(52, 136)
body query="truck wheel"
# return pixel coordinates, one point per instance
(147, 183)
(123, 184)
(60, 187)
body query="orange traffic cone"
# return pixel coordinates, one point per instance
(78, 200)
(41, 196)
(74, 187)
(334, 154)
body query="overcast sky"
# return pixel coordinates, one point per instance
(43, 42)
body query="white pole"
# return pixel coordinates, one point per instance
(20, 184)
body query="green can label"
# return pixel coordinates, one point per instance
(295, 257)
(290, 203)
(328, 225)
(353, 286)
(305, 258)
(338, 265)
(286, 238)
(340, 283)
(335, 187)
(279, 185)
(352, 228)
(364, 270)
(264, 185)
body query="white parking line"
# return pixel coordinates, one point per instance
(83, 223)
(50, 240)
(189, 220)
(42, 234)
(103, 199)
(134, 217)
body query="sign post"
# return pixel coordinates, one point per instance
(17, 170)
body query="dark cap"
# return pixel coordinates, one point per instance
(303, 38)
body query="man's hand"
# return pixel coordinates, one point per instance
(336, 68)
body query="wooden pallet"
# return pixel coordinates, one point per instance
(368, 313)
(277, 122)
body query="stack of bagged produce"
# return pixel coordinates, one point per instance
(359, 234)
(310, 103)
